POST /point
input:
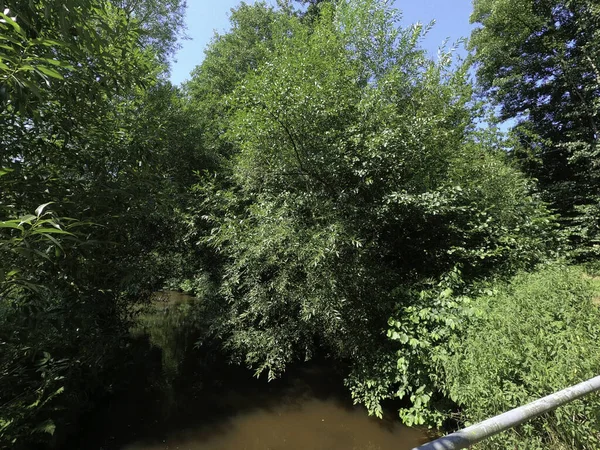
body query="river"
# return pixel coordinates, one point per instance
(308, 409)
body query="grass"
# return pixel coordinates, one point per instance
(592, 273)
(596, 286)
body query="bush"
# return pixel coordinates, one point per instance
(61, 336)
(532, 337)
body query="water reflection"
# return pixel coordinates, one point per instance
(310, 424)
(203, 403)
(306, 410)
(168, 325)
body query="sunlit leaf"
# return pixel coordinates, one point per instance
(50, 72)
(50, 231)
(40, 209)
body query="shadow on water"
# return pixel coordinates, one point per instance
(197, 405)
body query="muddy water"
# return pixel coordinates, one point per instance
(292, 417)
(224, 407)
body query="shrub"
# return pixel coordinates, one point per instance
(532, 337)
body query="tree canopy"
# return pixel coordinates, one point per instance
(357, 176)
(539, 61)
(325, 189)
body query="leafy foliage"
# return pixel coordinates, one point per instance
(56, 329)
(358, 180)
(228, 59)
(320, 183)
(528, 339)
(75, 75)
(539, 62)
(161, 22)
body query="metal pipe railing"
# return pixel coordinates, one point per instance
(478, 432)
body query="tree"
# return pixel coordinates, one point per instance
(539, 61)
(228, 59)
(162, 23)
(77, 84)
(357, 178)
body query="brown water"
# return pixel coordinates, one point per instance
(291, 421)
(303, 412)
(228, 409)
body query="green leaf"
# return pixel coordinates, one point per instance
(50, 72)
(56, 63)
(46, 427)
(50, 231)
(48, 42)
(11, 224)
(17, 42)
(12, 23)
(40, 209)
(5, 170)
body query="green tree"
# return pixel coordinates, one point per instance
(357, 178)
(78, 80)
(162, 23)
(539, 61)
(228, 59)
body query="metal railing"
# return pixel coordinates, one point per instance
(478, 432)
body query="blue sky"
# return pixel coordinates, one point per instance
(204, 17)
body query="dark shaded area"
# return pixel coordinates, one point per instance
(211, 404)
(308, 406)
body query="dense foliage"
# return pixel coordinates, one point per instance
(70, 270)
(539, 61)
(344, 158)
(321, 184)
(545, 330)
